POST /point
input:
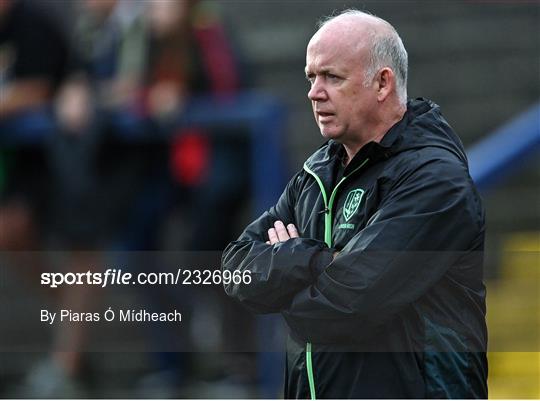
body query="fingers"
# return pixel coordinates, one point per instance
(280, 233)
(272, 236)
(293, 232)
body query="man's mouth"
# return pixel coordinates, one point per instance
(323, 116)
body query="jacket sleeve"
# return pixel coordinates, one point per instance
(277, 271)
(425, 222)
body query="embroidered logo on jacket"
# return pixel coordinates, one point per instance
(352, 202)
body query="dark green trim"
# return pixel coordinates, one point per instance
(328, 241)
(309, 368)
(327, 217)
(328, 205)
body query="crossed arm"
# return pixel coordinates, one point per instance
(281, 233)
(399, 256)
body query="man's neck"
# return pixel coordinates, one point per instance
(376, 134)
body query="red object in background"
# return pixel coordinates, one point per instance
(190, 156)
(218, 59)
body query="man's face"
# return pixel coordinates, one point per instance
(342, 105)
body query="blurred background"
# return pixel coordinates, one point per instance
(160, 126)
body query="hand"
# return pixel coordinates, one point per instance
(280, 233)
(74, 107)
(166, 98)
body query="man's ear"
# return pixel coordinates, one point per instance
(386, 83)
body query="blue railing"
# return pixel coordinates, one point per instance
(260, 115)
(491, 160)
(505, 150)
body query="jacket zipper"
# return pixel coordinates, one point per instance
(328, 240)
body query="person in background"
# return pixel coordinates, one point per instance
(34, 67)
(99, 175)
(34, 55)
(190, 55)
(68, 83)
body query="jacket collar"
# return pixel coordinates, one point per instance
(421, 118)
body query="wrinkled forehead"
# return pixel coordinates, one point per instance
(341, 44)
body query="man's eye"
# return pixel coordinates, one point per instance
(310, 79)
(332, 77)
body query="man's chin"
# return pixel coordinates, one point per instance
(330, 134)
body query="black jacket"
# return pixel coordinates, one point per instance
(400, 312)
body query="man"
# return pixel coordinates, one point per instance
(373, 254)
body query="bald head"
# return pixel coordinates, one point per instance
(354, 26)
(371, 40)
(347, 33)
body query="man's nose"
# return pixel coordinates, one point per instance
(317, 91)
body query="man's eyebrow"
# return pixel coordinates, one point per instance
(324, 70)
